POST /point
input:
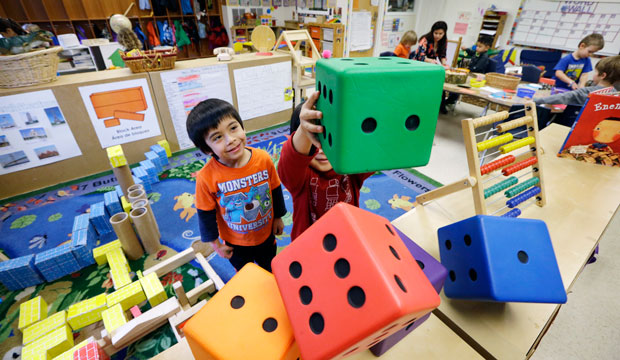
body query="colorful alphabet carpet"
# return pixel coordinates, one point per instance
(44, 220)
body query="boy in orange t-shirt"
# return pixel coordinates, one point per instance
(406, 42)
(238, 192)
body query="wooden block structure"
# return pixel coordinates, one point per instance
(116, 156)
(127, 296)
(166, 146)
(86, 312)
(509, 169)
(113, 317)
(161, 152)
(349, 264)
(153, 289)
(112, 202)
(90, 351)
(50, 345)
(68, 355)
(19, 273)
(31, 311)
(249, 304)
(99, 253)
(57, 262)
(156, 160)
(119, 268)
(178, 321)
(82, 243)
(100, 220)
(45, 326)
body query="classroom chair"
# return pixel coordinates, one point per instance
(492, 66)
(530, 73)
(548, 59)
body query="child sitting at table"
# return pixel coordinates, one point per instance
(606, 74)
(406, 42)
(571, 72)
(479, 56)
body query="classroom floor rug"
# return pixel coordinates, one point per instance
(44, 220)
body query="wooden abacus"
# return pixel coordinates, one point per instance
(516, 190)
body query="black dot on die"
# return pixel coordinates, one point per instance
(342, 268)
(409, 326)
(295, 269)
(319, 88)
(394, 252)
(473, 275)
(452, 275)
(324, 91)
(448, 244)
(305, 295)
(329, 242)
(237, 302)
(420, 264)
(317, 323)
(331, 97)
(369, 125)
(400, 283)
(467, 240)
(412, 122)
(389, 229)
(523, 257)
(356, 297)
(329, 139)
(270, 324)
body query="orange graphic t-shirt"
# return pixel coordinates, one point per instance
(242, 197)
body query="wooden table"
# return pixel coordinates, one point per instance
(431, 340)
(581, 199)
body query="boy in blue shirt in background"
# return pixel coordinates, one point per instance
(571, 72)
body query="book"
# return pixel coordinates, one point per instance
(595, 135)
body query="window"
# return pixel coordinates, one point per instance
(400, 5)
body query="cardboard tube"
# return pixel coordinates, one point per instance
(135, 187)
(146, 229)
(145, 203)
(125, 233)
(124, 178)
(137, 194)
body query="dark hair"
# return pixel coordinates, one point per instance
(486, 40)
(442, 44)
(206, 116)
(610, 66)
(6, 23)
(295, 118)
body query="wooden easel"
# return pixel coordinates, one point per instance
(476, 179)
(300, 62)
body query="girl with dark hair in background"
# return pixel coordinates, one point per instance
(432, 46)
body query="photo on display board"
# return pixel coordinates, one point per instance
(55, 116)
(3, 141)
(33, 134)
(46, 152)
(6, 121)
(12, 159)
(29, 119)
(266, 3)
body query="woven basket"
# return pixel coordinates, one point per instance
(502, 81)
(482, 102)
(31, 68)
(151, 60)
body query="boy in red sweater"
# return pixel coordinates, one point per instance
(307, 174)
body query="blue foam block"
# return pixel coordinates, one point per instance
(82, 244)
(19, 273)
(150, 170)
(99, 218)
(112, 202)
(151, 155)
(161, 152)
(57, 262)
(493, 258)
(119, 191)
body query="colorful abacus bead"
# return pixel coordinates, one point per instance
(496, 164)
(522, 197)
(517, 144)
(498, 140)
(519, 188)
(519, 166)
(513, 213)
(503, 185)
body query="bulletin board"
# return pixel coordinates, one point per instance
(364, 6)
(562, 24)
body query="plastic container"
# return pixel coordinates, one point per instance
(523, 92)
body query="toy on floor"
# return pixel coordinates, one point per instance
(493, 258)
(349, 282)
(509, 168)
(361, 136)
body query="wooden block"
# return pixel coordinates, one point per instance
(171, 263)
(145, 323)
(194, 294)
(43, 327)
(127, 115)
(111, 122)
(210, 272)
(178, 289)
(131, 99)
(32, 311)
(178, 351)
(178, 320)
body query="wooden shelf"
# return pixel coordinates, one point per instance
(493, 22)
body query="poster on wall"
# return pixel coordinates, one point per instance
(263, 90)
(186, 88)
(33, 132)
(121, 112)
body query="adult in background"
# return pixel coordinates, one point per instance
(432, 45)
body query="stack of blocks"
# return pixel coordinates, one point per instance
(249, 304)
(68, 355)
(349, 282)
(83, 240)
(116, 156)
(161, 152)
(155, 159)
(359, 136)
(50, 345)
(57, 262)
(92, 351)
(86, 312)
(166, 146)
(140, 173)
(127, 296)
(45, 326)
(32, 311)
(119, 268)
(153, 289)
(100, 220)
(112, 202)
(436, 274)
(19, 273)
(491, 258)
(99, 253)
(113, 318)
